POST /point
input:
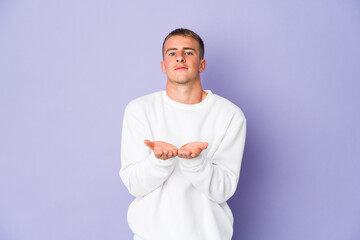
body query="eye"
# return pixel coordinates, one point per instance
(172, 54)
(189, 53)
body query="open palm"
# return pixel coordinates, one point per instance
(162, 150)
(192, 149)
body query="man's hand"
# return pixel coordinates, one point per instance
(162, 150)
(192, 150)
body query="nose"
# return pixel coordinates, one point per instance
(180, 58)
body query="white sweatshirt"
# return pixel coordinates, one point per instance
(182, 199)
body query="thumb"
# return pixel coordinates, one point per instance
(149, 143)
(204, 145)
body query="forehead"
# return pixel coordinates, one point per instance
(180, 42)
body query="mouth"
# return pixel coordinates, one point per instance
(180, 68)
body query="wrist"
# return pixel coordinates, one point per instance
(192, 164)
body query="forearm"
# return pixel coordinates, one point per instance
(217, 183)
(143, 177)
(140, 170)
(217, 176)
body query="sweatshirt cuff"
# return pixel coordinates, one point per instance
(194, 164)
(156, 162)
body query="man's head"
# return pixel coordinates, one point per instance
(186, 33)
(183, 54)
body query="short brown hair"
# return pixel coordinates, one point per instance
(186, 33)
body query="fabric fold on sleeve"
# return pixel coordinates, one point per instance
(143, 177)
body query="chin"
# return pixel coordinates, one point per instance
(181, 81)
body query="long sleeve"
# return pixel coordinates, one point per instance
(217, 177)
(140, 170)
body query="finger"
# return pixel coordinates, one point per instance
(165, 157)
(149, 143)
(158, 154)
(204, 145)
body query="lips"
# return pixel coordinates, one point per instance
(180, 68)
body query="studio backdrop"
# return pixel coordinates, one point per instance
(68, 69)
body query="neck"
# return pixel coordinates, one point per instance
(187, 94)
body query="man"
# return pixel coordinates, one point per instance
(181, 193)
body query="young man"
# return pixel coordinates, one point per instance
(181, 151)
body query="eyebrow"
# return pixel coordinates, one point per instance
(185, 48)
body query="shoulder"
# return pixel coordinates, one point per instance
(143, 102)
(227, 107)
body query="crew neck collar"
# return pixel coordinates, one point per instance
(184, 106)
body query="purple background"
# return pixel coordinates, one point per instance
(68, 69)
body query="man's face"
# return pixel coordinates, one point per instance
(182, 63)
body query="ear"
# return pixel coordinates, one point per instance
(163, 68)
(202, 65)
